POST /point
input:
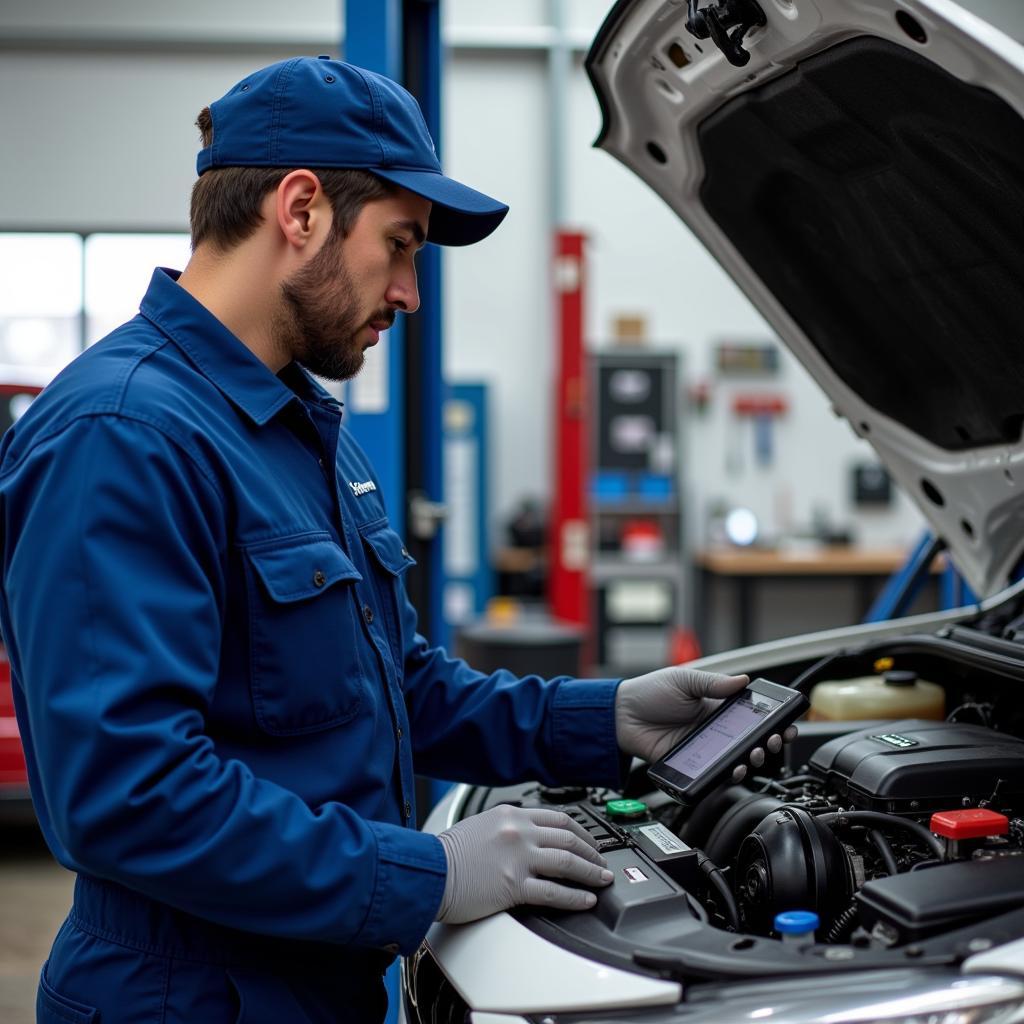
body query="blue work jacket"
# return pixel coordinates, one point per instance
(217, 674)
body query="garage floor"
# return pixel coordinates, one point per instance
(35, 895)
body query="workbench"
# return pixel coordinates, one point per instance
(746, 569)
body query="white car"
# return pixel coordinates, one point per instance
(858, 168)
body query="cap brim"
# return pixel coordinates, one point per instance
(460, 215)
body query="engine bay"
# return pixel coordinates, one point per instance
(905, 838)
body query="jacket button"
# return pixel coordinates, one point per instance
(399, 733)
(319, 579)
(367, 614)
(408, 809)
(405, 553)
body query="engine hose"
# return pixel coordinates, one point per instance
(841, 926)
(721, 886)
(783, 787)
(798, 780)
(815, 669)
(884, 850)
(881, 820)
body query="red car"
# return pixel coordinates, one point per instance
(13, 780)
(14, 793)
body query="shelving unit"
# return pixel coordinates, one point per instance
(637, 574)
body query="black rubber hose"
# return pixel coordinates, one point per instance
(884, 850)
(812, 671)
(783, 787)
(799, 780)
(769, 786)
(721, 886)
(881, 820)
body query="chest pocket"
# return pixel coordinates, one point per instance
(389, 559)
(305, 670)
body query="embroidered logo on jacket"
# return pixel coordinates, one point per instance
(364, 488)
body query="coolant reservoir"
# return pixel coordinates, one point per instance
(894, 694)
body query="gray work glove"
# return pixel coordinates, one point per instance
(654, 712)
(508, 855)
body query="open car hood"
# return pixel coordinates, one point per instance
(861, 177)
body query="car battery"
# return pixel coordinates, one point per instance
(627, 823)
(667, 851)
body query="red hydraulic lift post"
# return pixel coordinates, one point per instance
(569, 536)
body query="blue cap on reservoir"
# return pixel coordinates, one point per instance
(796, 922)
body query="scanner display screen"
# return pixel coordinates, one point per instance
(724, 731)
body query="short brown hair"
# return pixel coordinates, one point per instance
(226, 201)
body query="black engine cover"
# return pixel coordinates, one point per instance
(913, 766)
(923, 903)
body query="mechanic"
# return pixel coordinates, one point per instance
(218, 680)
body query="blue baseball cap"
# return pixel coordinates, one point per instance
(317, 112)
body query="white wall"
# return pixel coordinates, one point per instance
(224, 23)
(97, 102)
(96, 141)
(642, 259)
(497, 315)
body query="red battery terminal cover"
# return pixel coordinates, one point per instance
(973, 823)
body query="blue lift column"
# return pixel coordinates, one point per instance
(398, 421)
(905, 584)
(424, 372)
(375, 401)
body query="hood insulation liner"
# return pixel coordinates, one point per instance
(882, 202)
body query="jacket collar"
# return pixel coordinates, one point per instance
(221, 357)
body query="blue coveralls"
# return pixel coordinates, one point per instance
(222, 693)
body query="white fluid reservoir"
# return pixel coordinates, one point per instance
(894, 694)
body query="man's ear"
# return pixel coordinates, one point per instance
(301, 208)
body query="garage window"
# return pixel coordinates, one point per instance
(63, 291)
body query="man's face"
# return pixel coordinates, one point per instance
(338, 304)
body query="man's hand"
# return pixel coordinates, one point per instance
(509, 855)
(655, 711)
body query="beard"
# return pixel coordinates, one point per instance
(319, 323)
